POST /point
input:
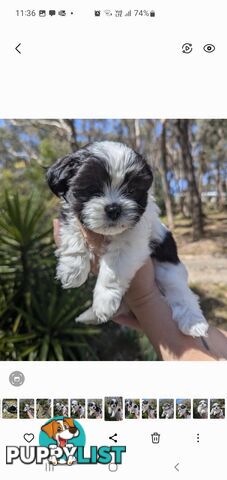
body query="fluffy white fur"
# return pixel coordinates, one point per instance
(202, 409)
(167, 411)
(128, 248)
(126, 253)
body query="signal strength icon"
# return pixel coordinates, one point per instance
(128, 14)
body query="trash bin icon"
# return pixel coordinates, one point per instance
(155, 437)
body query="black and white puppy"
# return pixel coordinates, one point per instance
(149, 409)
(105, 187)
(202, 409)
(114, 409)
(217, 411)
(94, 410)
(183, 411)
(167, 410)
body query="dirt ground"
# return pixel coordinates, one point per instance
(206, 261)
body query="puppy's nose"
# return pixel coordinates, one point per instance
(73, 430)
(113, 211)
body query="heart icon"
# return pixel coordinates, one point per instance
(29, 437)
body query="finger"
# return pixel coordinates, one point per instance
(127, 321)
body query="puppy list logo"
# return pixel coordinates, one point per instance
(62, 441)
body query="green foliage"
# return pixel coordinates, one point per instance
(37, 316)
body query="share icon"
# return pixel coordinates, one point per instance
(112, 438)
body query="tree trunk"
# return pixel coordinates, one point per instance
(165, 183)
(137, 135)
(73, 134)
(195, 204)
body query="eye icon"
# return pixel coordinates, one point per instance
(209, 48)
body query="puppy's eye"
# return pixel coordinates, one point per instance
(59, 429)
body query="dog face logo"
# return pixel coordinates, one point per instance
(61, 430)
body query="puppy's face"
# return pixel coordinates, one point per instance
(129, 405)
(202, 404)
(145, 405)
(106, 185)
(112, 406)
(182, 409)
(61, 430)
(135, 409)
(92, 408)
(216, 408)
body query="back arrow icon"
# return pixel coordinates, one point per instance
(17, 48)
(177, 467)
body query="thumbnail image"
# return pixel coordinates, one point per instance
(126, 179)
(95, 408)
(217, 408)
(77, 408)
(27, 409)
(200, 408)
(43, 408)
(113, 408)
(183, 408)
(166, 408)
(149, 408)
(9, 408)
(132, 408)
(61, 407)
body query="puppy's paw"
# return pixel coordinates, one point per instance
(199, 329)
(190, 322)
(106, 303)
(73, 271)
(88, 317)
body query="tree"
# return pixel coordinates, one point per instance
(165, 183)
(195, 204)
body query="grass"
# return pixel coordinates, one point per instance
(214, 241)
(213, 295)
(213, 302)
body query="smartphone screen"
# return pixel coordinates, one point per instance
(113, 245)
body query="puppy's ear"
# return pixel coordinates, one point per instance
(69, 421)
(147, 175)
(49, 429)
(61, 172)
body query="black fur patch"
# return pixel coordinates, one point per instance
(60, 173)
(165, 251)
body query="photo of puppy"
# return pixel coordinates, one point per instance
(43, 408)
(166, 408)
(95, 408)
(61, 407)
(9, 408)
(217, 408)
(132, 409)
(61, 431)
(114, 408)
(77, 408)
(200, 408)
(183, 408)
(105, 187)
(149, 408)
(27, 409)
